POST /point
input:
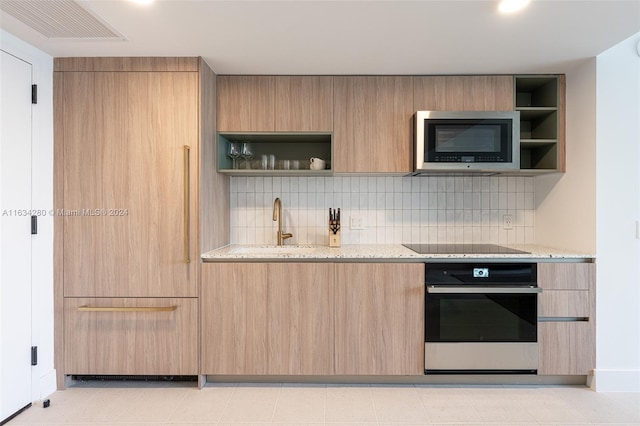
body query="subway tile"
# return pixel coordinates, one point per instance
(485, 201)
(406, 183)
(362, 200)
(458, 184)
(277, 185)
(397, 184)
(285, 185)
(413, 203)
(467, 184)
(397, 200)
(467, 201)
(406, 200)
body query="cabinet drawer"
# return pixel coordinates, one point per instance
(131, 336)
(566, 348)
(566, 276)
(564, 303)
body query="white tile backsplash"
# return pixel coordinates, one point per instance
(394, 210)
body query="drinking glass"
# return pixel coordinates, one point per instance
(247, 153)
(233, 152)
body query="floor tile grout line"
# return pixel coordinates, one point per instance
(275, 405)
(226, 405)
(424, 407)
(373, 403)
(184, 396)
(326, 394)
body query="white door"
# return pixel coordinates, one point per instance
(15, 233)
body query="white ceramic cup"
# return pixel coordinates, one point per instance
(317, 163)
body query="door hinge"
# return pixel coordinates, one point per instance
(34, 225)
(34, 93)
(34, 355)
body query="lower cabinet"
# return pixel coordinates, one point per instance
(312, 319)
(267, 318)
(379, 319)
(566, 348)
(566, 318)
(131, 336)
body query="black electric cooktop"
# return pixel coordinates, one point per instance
(462, 249)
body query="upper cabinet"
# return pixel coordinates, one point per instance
(304, 104)
(367, 120)
(246, 103)
(463, 93)
(275, 103)
(372, 119)
(540, 100)
(287, 117)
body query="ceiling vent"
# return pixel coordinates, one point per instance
(60, 19)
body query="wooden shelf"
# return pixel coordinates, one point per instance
(535, 113)
(538, 99)
(536, 143)
(276, 172)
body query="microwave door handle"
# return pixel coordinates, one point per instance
(482, 290)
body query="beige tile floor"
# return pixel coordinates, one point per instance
(135, 403)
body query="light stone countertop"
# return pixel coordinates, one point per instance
(379, 253)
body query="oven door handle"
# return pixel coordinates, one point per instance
(482, 290)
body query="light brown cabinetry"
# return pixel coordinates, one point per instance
(267, 319)
(304, 104)
(372, 124)
(125, 179)
(312, 319)
(246, 103)
(275, 103)
(379, 319)
(127, 142)
(463, 93)
(131, 336)
(566, 318)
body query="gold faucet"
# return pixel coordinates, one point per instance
(277, 215)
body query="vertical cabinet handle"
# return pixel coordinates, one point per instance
(186, 151)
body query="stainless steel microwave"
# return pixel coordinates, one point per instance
(467, 140)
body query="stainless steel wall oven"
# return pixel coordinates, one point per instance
(481, 318)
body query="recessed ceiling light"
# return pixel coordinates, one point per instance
(510, 6)
(143, 1)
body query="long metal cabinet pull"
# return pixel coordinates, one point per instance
(481, 290)
(85, 308)
(186, 151)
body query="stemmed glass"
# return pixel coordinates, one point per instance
(233, 152)
(247, 153)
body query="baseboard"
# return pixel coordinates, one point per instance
(616, 380)
(47, 384)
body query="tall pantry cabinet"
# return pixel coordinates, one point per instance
(131, 136)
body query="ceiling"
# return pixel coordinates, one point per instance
(355, 37)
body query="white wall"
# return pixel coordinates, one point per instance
(566, 204)
(44, 382)
(618, 209)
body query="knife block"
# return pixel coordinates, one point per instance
(334, 239)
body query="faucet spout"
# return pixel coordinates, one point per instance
(277, 216)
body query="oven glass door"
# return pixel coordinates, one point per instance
(500, 317)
